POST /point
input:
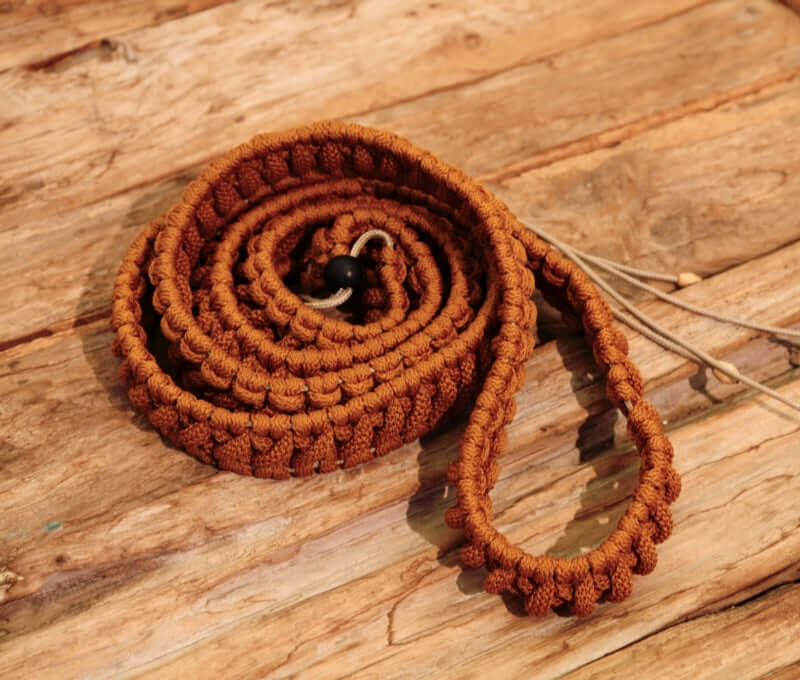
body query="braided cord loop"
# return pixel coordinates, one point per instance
(228, 362)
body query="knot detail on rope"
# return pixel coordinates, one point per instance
(222, 352)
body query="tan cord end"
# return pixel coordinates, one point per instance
(725, 377)
(688, 278)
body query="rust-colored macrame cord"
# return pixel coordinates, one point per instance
(229, 363)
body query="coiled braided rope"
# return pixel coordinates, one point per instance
(228, 362)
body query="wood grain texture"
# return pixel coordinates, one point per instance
(693, 194)
(571, 101)
(555, 405)
(47, 34)
(405, 611)
(119, 118)
(747, 641)
(789, 672)
(662, 134)
(615, 193)
(792, 4)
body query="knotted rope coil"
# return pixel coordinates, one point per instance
(220, 351)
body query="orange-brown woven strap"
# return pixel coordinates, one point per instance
(228, 362)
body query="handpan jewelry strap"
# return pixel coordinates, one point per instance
(222, 352)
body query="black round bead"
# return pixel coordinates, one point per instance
(344, 271)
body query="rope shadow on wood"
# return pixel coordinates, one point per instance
(100, 277)
(602, 500)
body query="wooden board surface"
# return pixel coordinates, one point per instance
(660, 134)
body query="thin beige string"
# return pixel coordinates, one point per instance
(644, 273)
(658, 333)
(343, 294)
(616, 270)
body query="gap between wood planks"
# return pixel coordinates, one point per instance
(63, 326)
(793, 5)
(718, 620)
(614, 136)
(790, 672)
(104, 40)
(699, 615)
(121, 18)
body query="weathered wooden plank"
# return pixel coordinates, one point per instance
(748, 641)
(80, 252)
(142, 537)
(639, 202)
(395, 591)
(695, 194)
(510, 120)
(172, 96)
(698, 566)
(159, 566)
(553, 406)
(42, 34)
(430, 629)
